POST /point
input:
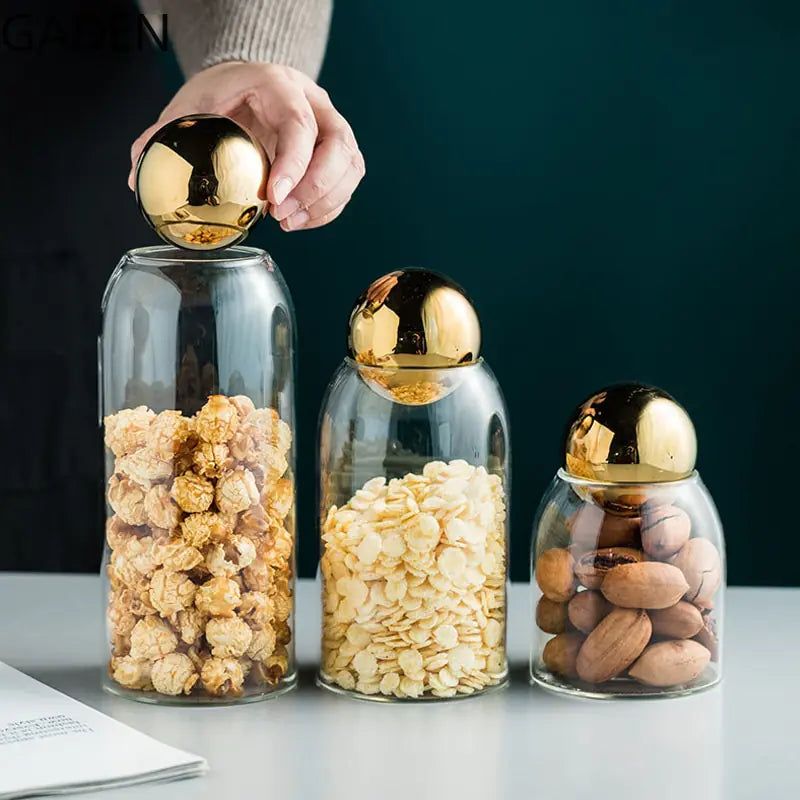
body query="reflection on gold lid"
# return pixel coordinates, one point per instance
(198, 180)
(631, 433)
(414, 318)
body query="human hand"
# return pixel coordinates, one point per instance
(316, 163)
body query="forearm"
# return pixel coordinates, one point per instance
(208, 32)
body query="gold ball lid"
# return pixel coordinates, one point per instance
(631, 433)
(413, 318)
(198, 181)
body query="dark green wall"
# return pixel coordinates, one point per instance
(616, 185)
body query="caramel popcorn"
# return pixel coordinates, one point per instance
(120, 614)
(262, 644)
(236, 491)
(256, 609)
(127, 430)
(161, 510)
(217, 420)
(169, 434)
(257, 576)
(152, 638)
(222, 676)
(278, 499)
(212, 460)
(127, 500)
(190, 624)
(198, 529)
(199, 565)
(144, 467)
(171, 591)
(176, 555)
(414, 584)
(228, 637)
(228, 559)
(218, 597)
(193, 493)
(131, 673)
(123, 573)
(174, 674)
(118, 533)
(243, 405)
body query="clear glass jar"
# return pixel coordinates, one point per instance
(413, 482)
(628, 588)
(196, 391)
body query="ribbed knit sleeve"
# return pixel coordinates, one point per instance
(208, 32)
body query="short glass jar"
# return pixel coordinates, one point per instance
(628, 588)
(413, 482)
(197, 395)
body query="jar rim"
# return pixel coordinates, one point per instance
(351, 362)
(163, 253)
(692, 478)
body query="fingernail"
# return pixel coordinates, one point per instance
(281, 189)
(286, 209)
(296, 220)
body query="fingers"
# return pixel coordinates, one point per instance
(333, 174)
(337, 197)
(318, 222)
(294, 148)
(329, 165)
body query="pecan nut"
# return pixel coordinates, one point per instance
(665, 530)
(613, 645)
(593, 567)
(670, 663)
(648, 584)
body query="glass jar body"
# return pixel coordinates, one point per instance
(413, 505)
(197, 397)
(628, 588)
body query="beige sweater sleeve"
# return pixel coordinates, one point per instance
(208, 32)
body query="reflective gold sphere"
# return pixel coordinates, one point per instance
(198, 182)
(413, 318)
(406, 331)
(630, 433)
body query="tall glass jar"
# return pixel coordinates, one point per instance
(197, 397)
(413, 496)
(627, 572)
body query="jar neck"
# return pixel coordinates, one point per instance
(585, 483)
(352, 364)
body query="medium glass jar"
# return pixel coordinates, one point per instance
(196, 391)
(413, 503)
(628, 588)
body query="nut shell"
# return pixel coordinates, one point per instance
(665, 530)
(670, 663)
(613, 645)
(701, 564)
(551, 617)
(587, 609)
(592, 567)
(560, 654)
(708, 637)
(555, 574)
(592, 527)
(681, 621)
(648, 584)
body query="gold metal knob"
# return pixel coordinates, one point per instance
(405, 332)
(631, 433)
(198, 181)
(414, 318)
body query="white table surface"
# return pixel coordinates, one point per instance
(739, 740)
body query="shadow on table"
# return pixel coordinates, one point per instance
(81, 682)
